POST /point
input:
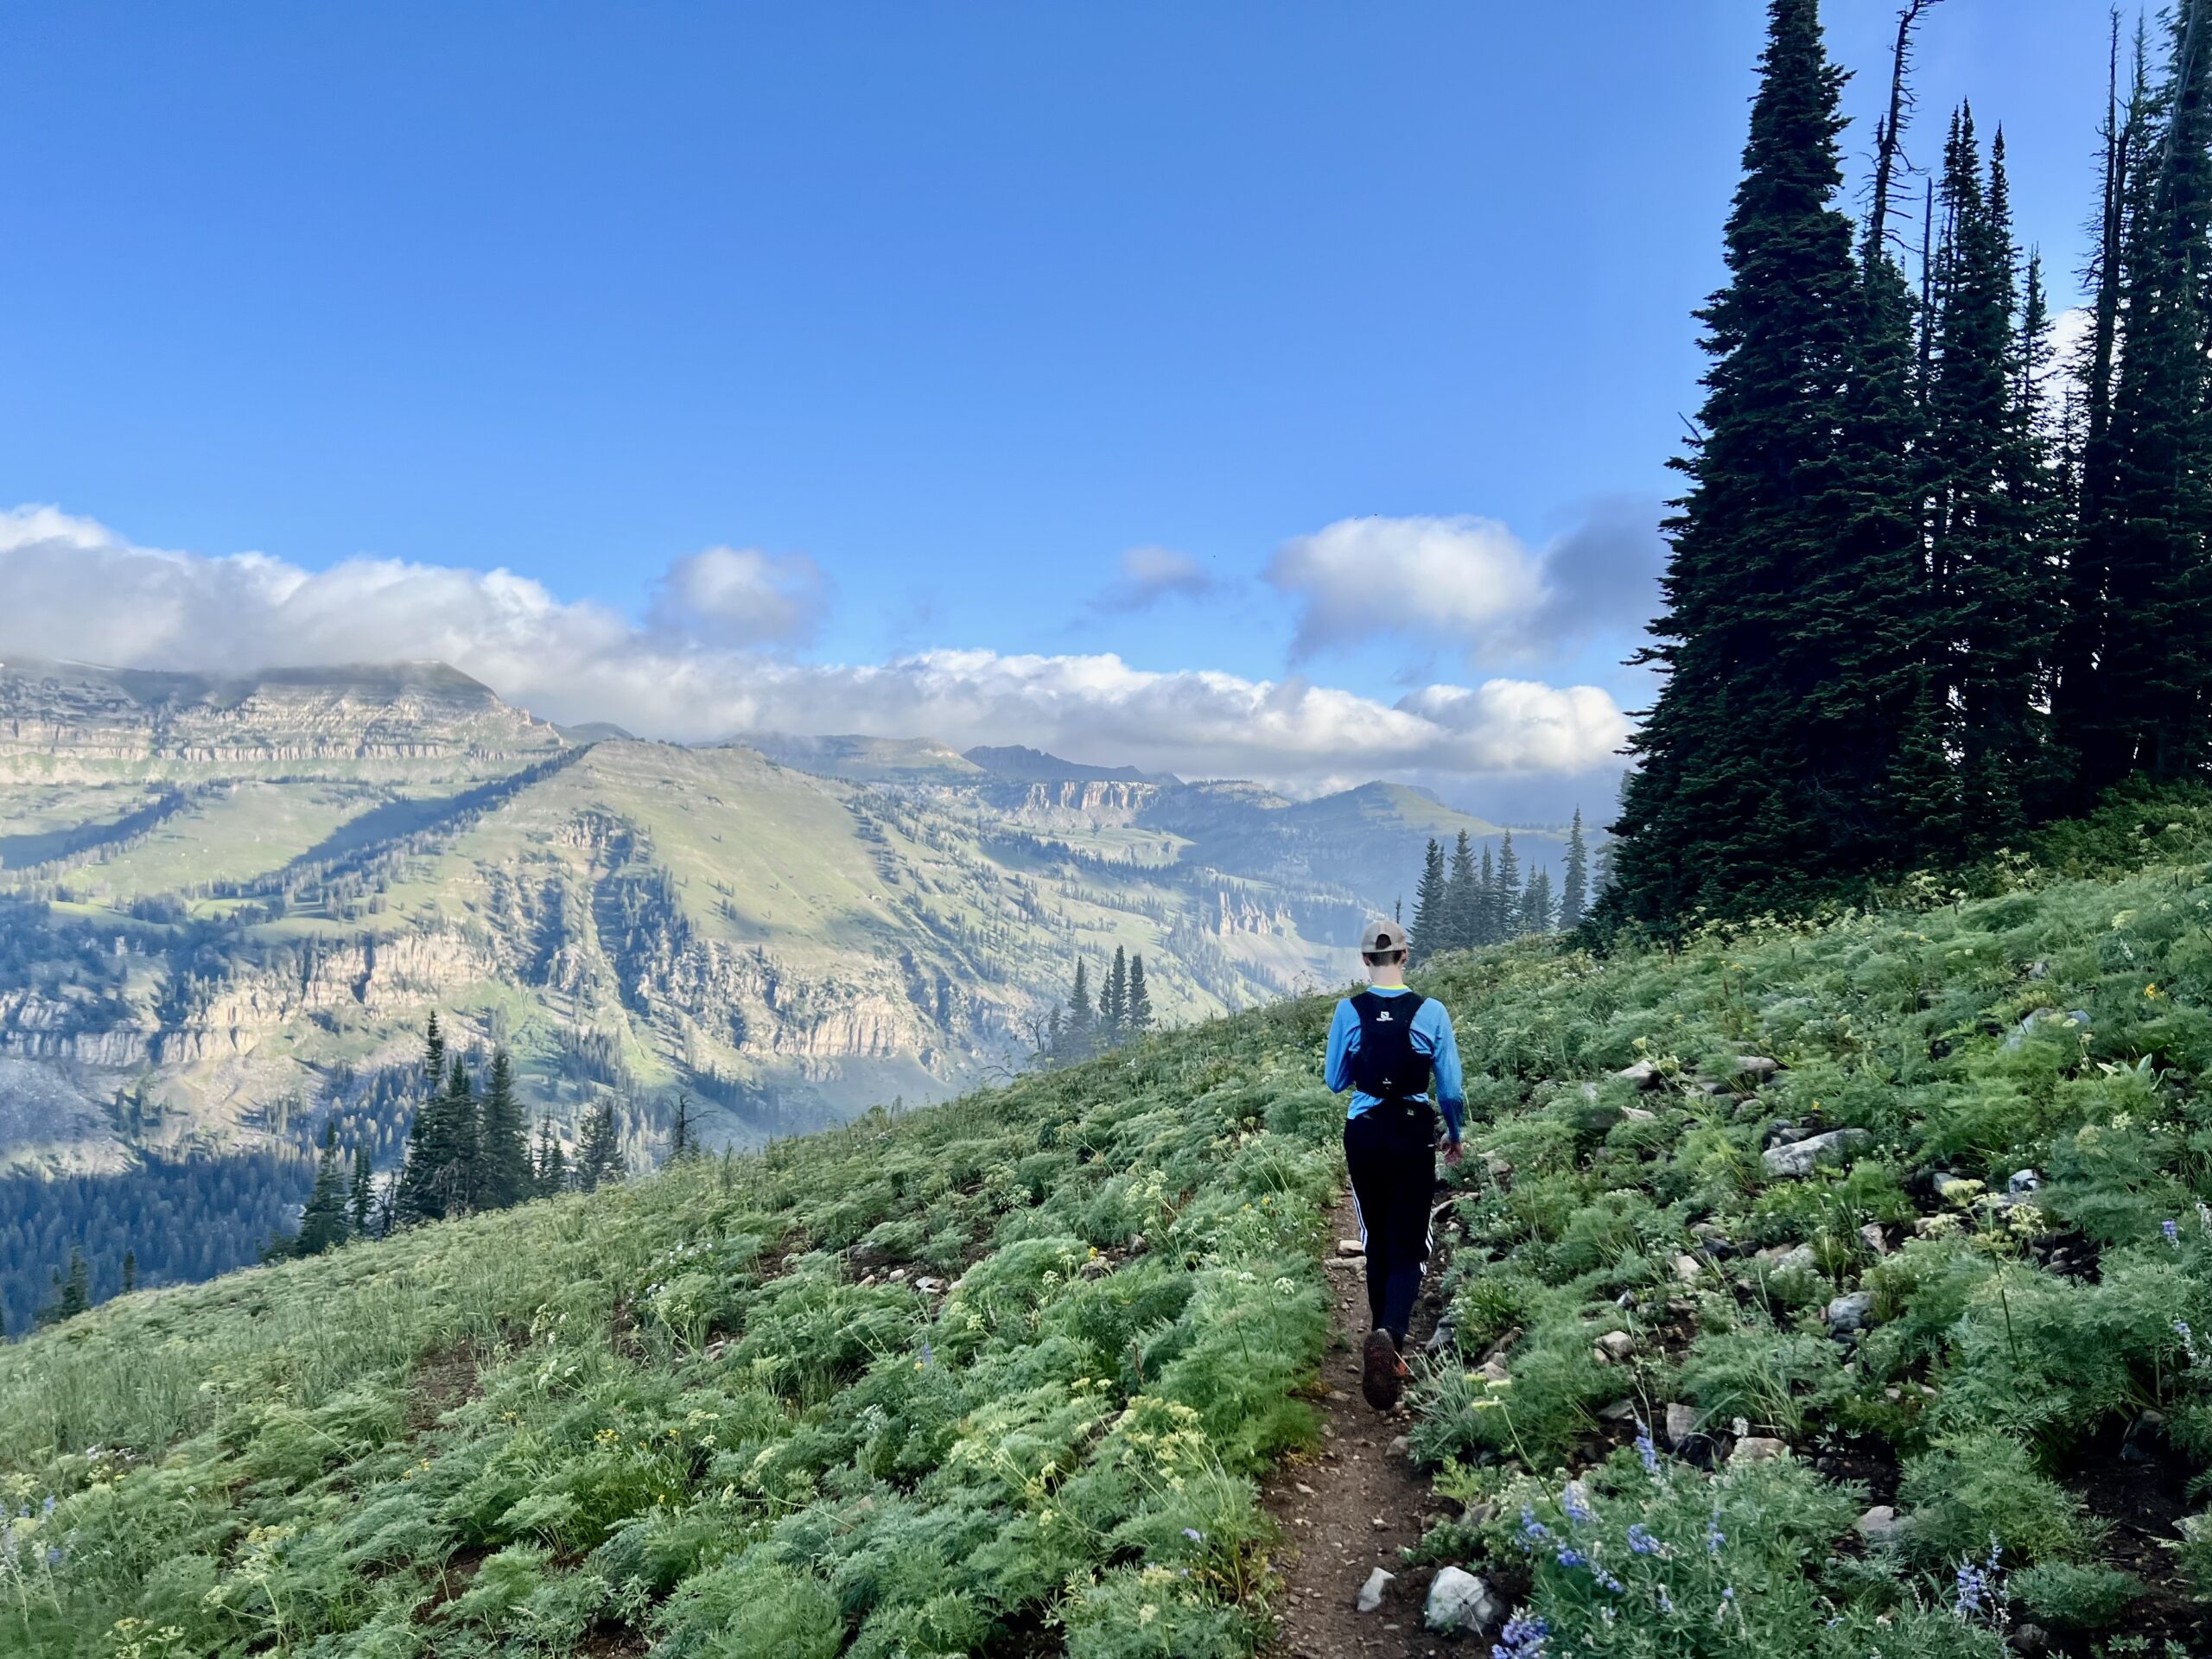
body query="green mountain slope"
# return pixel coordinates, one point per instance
(997, 1376)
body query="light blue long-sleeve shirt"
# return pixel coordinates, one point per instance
(1432, 1036)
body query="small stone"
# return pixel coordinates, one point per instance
(1619, 1412)
(1402, 1447)
(1643, 1074)
(1305, 1489)
(2022, 1181)
(1370, 1593)
(928, 1287)
(1874, 1238)
(1680, 1422)
(1614, 1346)
(2038, 970)
(2032, 1641)
(1491, 1370)
(1457, 1600)
(1688, 1269)
(1879, 1525)
(898, 1276)
(1778, 1132)
(1440, 1339)
(1757, 1448)
(1757, 1066)
(1350, 1247)
(1851, 1313)
(1802, 1157)
(1637, 1115)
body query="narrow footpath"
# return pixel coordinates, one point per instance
(1353, 1504)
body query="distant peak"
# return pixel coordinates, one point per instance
(1019, 764)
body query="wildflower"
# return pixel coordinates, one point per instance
(1642, 1542)
(2188, 1340)
(1644, 1448)
(1570, 1556)
(1533, 1531)
(1194, 1535)
(1523, 1638)
(2172, 1230)
(1666, 1601)
(1714, 1536)
(2152, 992)
(1576, 1503)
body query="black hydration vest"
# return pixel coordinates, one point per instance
(1386, 1065)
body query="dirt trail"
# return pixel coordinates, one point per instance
(1352, 1505)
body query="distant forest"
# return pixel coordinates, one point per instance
(183, 1219)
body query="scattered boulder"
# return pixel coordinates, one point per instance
(1757, 1066)
(1793, 1258)
(1613, 1347)
(1643, 1074)
(1757, 1448)
(1457, 1600)
(1851, 1312)
(1802, 1157)
(2021, 1182)
(1492, 1372)
(1688, 1269)
(1873, 1237)
(928, 1285)
(1370, 1593)
(1402, 1446)
(2032, 1641)
(1679, 1423)
(1778, 1132)
(1879, 1525)
(1351, 1247)
(1620, 1411)
(1637, 1115)
(1443, 1336)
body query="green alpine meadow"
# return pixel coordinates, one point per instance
(1812, 1285)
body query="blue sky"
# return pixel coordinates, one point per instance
(943, 309)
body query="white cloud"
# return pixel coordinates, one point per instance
(1471, 582)
(1149, 575)
(70, 587)
(740, 596)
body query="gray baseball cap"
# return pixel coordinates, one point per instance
(1382, 936)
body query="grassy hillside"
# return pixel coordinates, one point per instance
(996, 1377)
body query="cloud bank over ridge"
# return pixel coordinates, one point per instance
(710, 658)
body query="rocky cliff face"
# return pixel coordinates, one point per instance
(63, 720)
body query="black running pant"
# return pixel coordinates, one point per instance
(1390, 1151)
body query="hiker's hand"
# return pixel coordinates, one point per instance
(1452, 1151)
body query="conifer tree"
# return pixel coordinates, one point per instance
(1483, 923)
(1506, 907)
(503, 1176)
(1139, 1014)
(1767, 761)
(1429, 903)
(323, 1222)
(71, 1296)
(1114, 1003)
(598, 1152)
(361, 1197)
(549, 1169)
(1574, 889)
(1536, 902)
(683, 1132)
(1464, 891)
(1080, 1032)
(129, 1271)
(411, 1198)
(2147, 702)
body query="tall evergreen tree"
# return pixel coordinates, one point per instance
(1787, 649)
(1574, 889)
(598, 1151)
(322, 1222)
(1139, 1014)
(71, 1296)
(411, 1198)
(1429, 903)
(2151, 683)
(1080, 1032)
(129, 1271)
(1536, 911)
(502, 1170)
(1485, 926)
(1464, 891)
(683, 1132)
(549, 1168)
(1114, 1003)
(360, 1196)
(1506, 907)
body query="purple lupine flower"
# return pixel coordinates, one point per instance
(1533, 1531)
(1523, 1638)
(1971, 1584)
(1576, 1503)
(1714, 1536)
(1644, 1448)
(1641, 1540)
(2172, 1230)
(1666, 1601)
(1570, 1556)
(1194, 1535)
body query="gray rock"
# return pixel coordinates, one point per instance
(1619, 1412)
(2038, 970)
(2032, 1641)
(1879, 1525)
(1457, 1600)
(1757, 1066)
(1370, 1593)
(1778, 1132)
(1402, 1447)
(1637, 1115)
(1643, 1074)
(1680, 1424)
(1688, 1269)
(1442, 1338)
(1802, 1157)
(2023, 1181)
(1874, 1238)
(1851, 1312)
(1351, 1247)
(1794, 1258)
(1757, 1448)
(1614, 1346)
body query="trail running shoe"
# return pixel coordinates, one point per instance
(1382, 1373)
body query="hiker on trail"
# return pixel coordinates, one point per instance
(1390, 1046)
